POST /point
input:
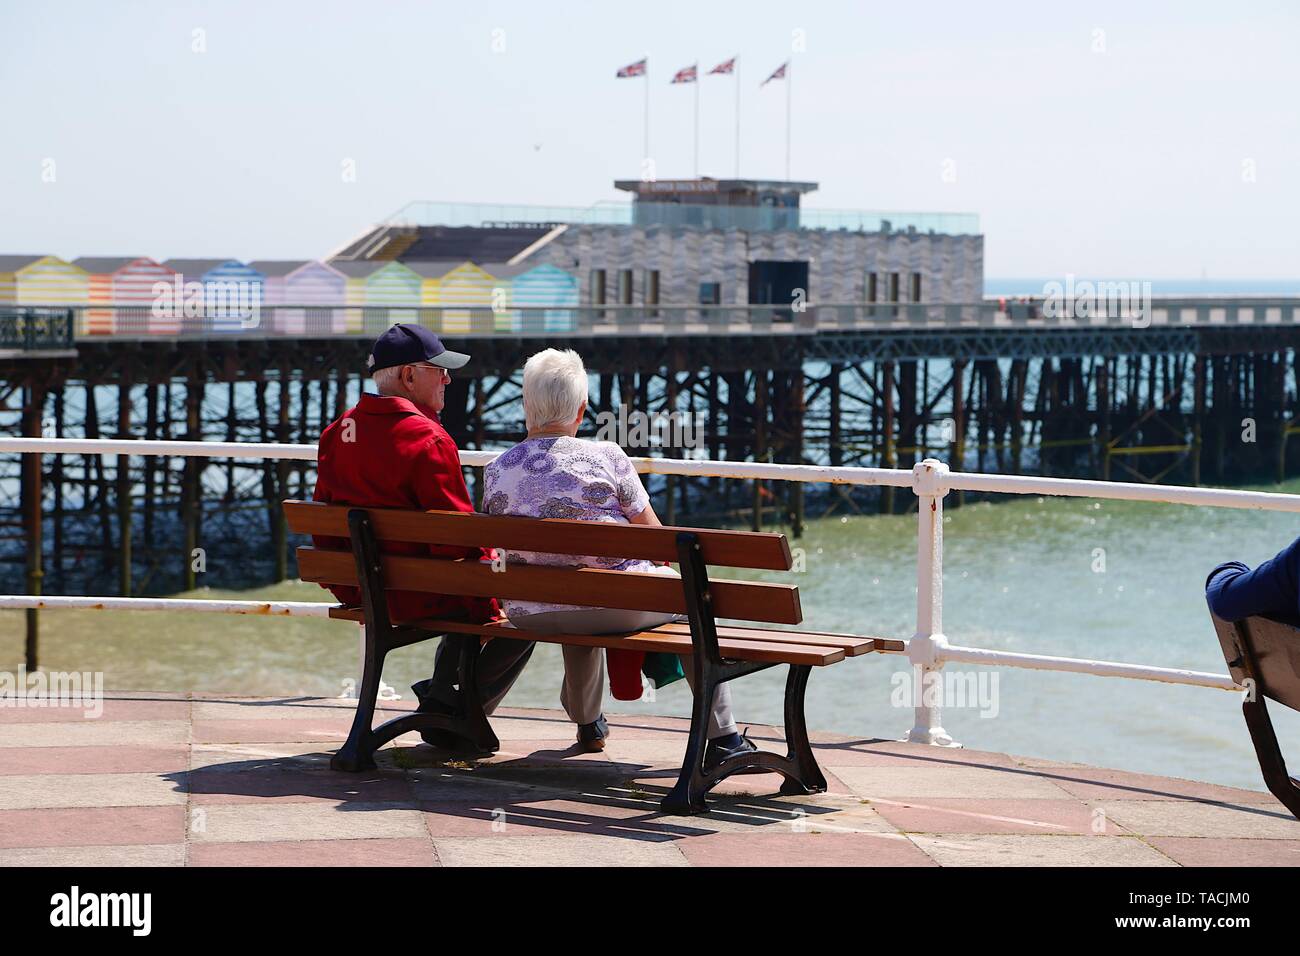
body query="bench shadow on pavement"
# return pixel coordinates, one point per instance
(555, 790)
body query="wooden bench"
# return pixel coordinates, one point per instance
(718, 653)
(1264, 656)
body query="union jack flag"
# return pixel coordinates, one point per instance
(778, 75)
(632, 69)
(686, 75)
(728, 67)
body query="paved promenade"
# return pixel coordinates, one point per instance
(170, 780)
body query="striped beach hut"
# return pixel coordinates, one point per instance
(354, 290)
(41, 281)
(545, 285)
(388, 292)
(126, 285)
(232, 292)
(431, 274)
(319, 288)
(467, 284)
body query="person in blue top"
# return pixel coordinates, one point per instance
(1235, 591)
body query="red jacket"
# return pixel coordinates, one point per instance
(394, 456)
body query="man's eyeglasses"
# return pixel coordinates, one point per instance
(436, 368)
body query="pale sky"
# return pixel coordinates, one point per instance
(1151, 140)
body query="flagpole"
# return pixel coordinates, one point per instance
(646, 154)
(697, 120)
(736, 71)
(789, 71)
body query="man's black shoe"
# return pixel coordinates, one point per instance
(716, 752)
(442, 739)
(591, 737)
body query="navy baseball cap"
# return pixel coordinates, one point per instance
(406, 344)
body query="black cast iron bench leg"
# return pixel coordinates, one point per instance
(470, 722)
(687, 796)
(798, 748)
(358, 752)
(798, 766)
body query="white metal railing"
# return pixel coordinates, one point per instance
(928, 648)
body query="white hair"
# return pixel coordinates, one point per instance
(555, 386)
(386, 380)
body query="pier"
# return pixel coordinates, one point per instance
(1198, 391)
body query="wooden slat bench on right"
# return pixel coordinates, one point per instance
(1264, 657)
(718, 653)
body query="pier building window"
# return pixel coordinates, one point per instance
(915, 292)
(650, 290)
(624, 286)
(873, 287)
(893, 287)
(598, 291)
(710, 293)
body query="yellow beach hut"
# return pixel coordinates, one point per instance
(468, 285)
(42, 281)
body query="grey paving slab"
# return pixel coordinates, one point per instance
(569, 850)
(1036, 850)
(304, 821)
(88, 790)
(947, 781)
(1190, 818)
(165, 854)
(95, 733)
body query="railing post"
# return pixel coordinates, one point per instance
(33, 517)
(925, 650)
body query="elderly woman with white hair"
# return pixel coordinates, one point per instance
(554, 474)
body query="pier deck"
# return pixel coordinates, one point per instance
(205, 781)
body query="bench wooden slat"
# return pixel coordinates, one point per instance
(739, 600)
(853, 645)
(1276, 648)
(734, 648)
(733, 549)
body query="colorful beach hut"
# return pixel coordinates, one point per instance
(125, 285)
(388, 292)
(465, 284)
(41, 281)
(431, 274)
(320, 289)
(545, 286)
(232, 293)
(354, 290)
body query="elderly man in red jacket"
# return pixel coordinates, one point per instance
(391, 451)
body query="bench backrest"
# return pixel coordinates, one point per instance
(737, 600)
(1275, 651)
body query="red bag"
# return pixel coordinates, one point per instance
(624, 673)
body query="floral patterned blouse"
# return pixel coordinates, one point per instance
(561, 477)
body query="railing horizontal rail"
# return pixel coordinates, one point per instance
(814, 474)
(259, 608)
